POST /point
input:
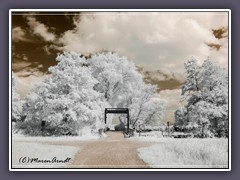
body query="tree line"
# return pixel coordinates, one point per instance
(78, 89)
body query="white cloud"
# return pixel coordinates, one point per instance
(25, 58)
(156, 40)
(18, 34)
(22, 57)
(19, 65)
(40, 29)
(49, 48)
(46, 49)
(40, 66)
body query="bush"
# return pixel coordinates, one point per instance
(34, 128)
(29, 128)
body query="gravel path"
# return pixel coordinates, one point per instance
(114, 151)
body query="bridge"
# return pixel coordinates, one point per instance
(117, 111)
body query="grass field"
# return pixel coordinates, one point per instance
(187, 153)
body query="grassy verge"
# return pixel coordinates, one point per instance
(187, 153)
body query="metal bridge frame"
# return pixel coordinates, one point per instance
(117, 111)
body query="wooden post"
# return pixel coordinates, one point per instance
(139, 130)
(127, 120)
(168, 124)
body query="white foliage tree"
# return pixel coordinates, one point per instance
(117, 77)
(152, 112)
(143, 105)
(206, 91)
(66, 99)
(78, 90)
(123, 86)
(16, 102)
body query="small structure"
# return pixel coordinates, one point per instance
(117, 111)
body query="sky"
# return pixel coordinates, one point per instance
(155, 41)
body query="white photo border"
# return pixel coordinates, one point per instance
(119, 10)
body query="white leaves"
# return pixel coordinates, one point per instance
(16, 102)
(78, 90)
(207, 97)
(54, 118)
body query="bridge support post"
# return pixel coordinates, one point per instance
(105, 116)
(127, 120)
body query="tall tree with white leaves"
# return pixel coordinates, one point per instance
(206, 93)
(16, 102)
(123, 86)
(66, 100)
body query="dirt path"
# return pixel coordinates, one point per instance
(112, 152)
